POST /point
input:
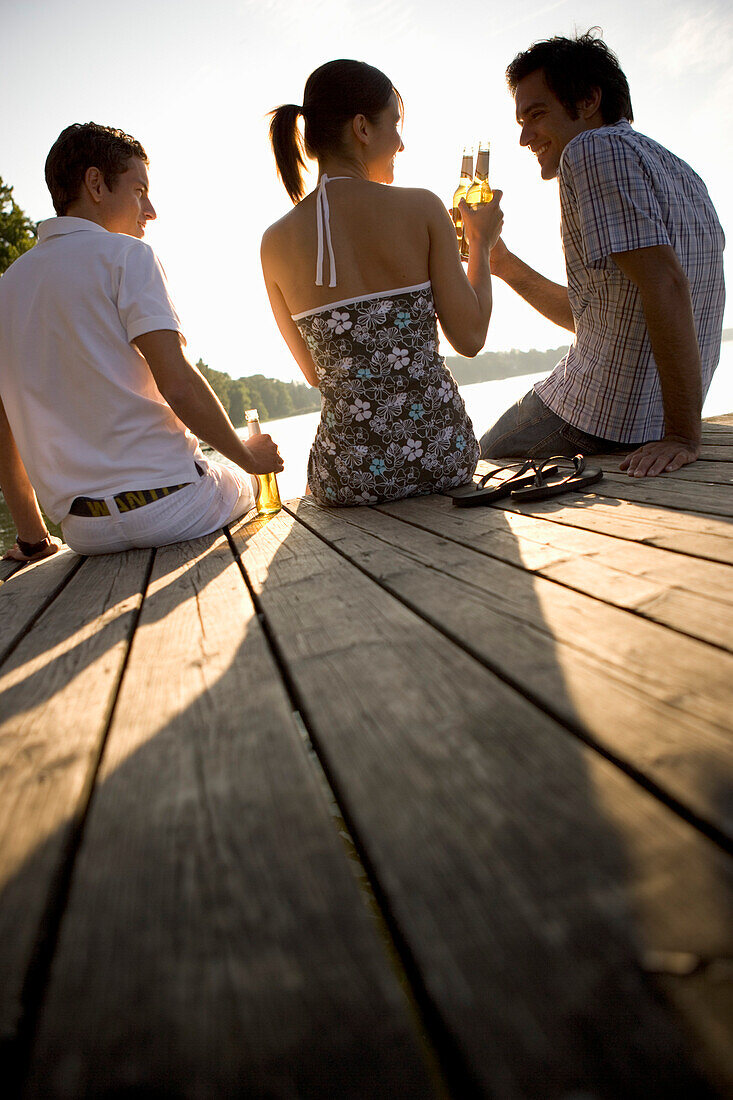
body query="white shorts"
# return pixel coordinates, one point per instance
(220, 496)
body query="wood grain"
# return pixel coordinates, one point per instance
(654, 699)
(215, 942)
(508, 852)
(691, 595)
(34, 587)
(57, 689)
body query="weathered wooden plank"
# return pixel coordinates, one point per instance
(57, 689)
(689, 594)
(721, 418)
(704, 471)
(524, 871)
(32, 590)
(702, 536)
(657, 700)
(667, 525)
(718, 434)
(7, 568)
(666, 492)
(215, 942)
(716, 452)
(717, 429)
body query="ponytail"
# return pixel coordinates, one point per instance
(287, 145)
(334, 93)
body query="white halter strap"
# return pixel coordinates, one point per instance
(323, 226)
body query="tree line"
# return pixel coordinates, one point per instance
(272, 398)
(492, 365)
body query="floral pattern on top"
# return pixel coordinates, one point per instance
(393, 423)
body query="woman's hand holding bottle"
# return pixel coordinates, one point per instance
(482, 224)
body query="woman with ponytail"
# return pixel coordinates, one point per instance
(356, 274)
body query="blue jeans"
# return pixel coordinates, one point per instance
(530, 430)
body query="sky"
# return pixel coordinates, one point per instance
(194, 82)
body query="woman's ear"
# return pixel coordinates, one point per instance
(360, 126)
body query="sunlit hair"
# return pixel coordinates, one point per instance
(87, 145)
(334, 94)
(573, 68)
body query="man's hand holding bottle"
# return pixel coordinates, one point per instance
(482, 224)
(264, 457)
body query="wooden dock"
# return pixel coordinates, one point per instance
(391, 802)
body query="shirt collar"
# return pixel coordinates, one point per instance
(59, 227)
(622, 124)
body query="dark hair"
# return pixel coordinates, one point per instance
(334, 94)
(87, 145)
(573, 68)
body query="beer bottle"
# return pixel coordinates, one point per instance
(479, 191)
(460, 193)
(269, 501)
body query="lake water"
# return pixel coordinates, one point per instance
(485, 401)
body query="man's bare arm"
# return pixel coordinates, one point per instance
(195, 403)
(665, 298)
(548, 298)
(17, 489)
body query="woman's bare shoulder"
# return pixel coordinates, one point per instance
(282, 229)
(417, 196)
(416, 202)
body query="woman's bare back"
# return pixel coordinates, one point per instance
(380, 240)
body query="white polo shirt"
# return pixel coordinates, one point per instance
(81, 400)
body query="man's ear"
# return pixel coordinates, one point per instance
(94, 184)
(591, 104)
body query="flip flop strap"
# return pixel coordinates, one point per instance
(484, 481)
(578, 462)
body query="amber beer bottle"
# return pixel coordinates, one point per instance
(460, 193)
(479, 191)
(269, 501)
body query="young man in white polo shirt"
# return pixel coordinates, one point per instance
(100, 411)
(644, 256)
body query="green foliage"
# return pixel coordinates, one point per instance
(17, 232)
(502, 364)
(272, 398)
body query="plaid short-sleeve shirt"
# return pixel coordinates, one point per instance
(621, 191)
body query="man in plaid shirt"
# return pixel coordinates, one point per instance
(644, 257)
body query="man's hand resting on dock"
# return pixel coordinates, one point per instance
(660, 457)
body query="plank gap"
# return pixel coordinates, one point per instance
(40, 610)
(688, 815)
(450, 1071)
(638, 611)
(644, 540)
(36, 980)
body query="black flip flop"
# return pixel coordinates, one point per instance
(543, 489)
(481, 492)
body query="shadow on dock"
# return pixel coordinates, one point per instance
(194, 925)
